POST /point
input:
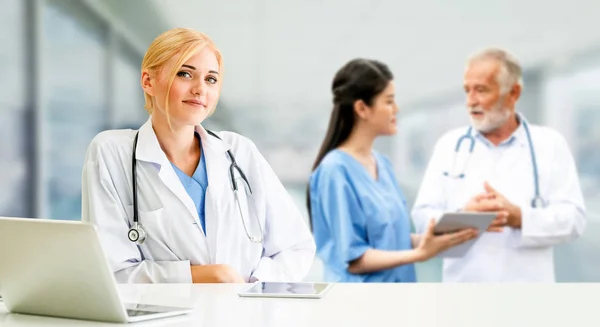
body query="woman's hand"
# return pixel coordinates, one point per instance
(430, 245)
(215, 274)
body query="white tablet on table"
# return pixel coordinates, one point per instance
(456, 221)
(306, 290)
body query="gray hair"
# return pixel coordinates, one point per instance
(510, 70)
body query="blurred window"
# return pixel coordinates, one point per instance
(14, 139)
(75, 99)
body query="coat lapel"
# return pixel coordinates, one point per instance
(217, 198)
(217, 203)
(149, 150)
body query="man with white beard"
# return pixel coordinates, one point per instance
(501, 163)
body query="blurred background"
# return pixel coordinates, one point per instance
(70, 69)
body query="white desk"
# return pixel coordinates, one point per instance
(443, 305)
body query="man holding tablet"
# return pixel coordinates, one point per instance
(502, 163)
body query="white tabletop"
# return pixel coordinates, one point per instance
(444, 305)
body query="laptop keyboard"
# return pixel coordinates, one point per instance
(136, 313)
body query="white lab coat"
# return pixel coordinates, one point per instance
(174, 235)
(515, 255)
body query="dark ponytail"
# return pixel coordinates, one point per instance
(359, 79)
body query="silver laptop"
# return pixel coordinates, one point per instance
(58, 268)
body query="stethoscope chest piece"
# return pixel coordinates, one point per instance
(137, 234)
(537, 202)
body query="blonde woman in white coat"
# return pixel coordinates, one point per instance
(191, 226)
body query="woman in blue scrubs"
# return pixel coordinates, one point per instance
(358, 213)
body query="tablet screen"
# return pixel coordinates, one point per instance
(280, 288)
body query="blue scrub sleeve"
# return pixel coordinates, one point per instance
(342, 237)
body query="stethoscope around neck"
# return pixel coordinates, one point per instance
(537, 201)
(137, 233)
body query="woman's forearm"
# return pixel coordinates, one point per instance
(377, 260)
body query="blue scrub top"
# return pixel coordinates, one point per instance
(352, 212)
(196, 185)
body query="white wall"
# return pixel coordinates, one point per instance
(281, 55)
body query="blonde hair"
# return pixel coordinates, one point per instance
(182, 42)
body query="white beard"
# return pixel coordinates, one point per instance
(491, 120)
